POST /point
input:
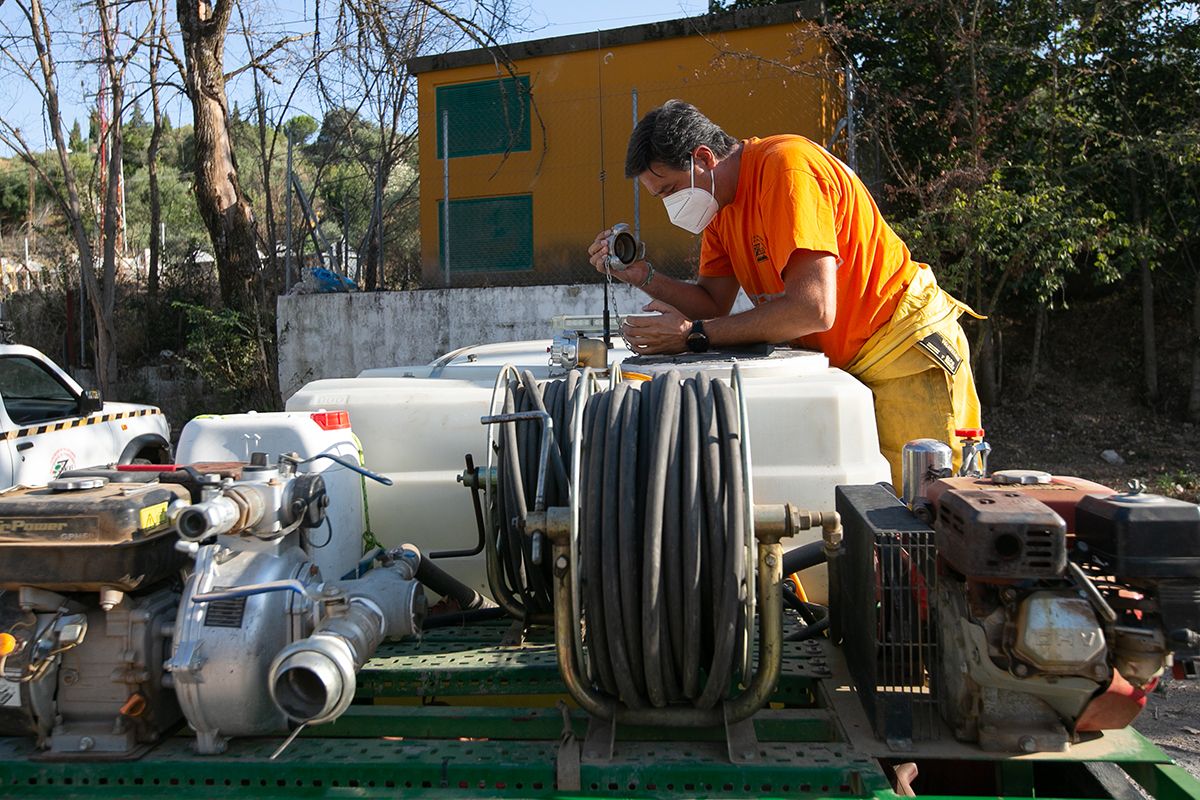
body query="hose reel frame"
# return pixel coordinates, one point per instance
(761, 588)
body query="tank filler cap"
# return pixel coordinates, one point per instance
(77, 484)
(1142, 499)
(1021, 477)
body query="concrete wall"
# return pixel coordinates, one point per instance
(340, 335)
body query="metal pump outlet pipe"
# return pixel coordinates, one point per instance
(235, 509)
(313, 680)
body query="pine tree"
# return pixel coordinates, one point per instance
(75, 139)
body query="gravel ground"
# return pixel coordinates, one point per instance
(1172, 720)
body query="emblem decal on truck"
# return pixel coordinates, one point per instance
(62, 460)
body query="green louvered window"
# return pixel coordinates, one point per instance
(485, 117)
(488, 234)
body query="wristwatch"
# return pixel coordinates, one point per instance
(697, 339)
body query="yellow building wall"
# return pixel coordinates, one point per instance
(581, 124)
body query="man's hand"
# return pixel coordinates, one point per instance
(666, 333)
(634, 274)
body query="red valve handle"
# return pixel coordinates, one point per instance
(969, 433)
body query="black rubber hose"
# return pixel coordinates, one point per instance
(629, 555)
(458, 618)
(609, 554)
(673, 547)
(593, 545)
(536, 573)
(557, 485)
(803, 557)
(713, 545)
(726, 640)
(796, 604)
(512, 503)
(663, 570)
(526, 576)
(666, 407)
(808, 631)
(445, 584)
(692, 519)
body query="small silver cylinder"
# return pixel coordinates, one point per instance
(924, 461)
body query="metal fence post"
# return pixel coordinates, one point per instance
(851, 154)
(287, 254)
(446, 196)
(637, 196)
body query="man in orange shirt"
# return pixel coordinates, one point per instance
(796, 228)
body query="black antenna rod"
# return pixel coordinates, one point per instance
(603, 217)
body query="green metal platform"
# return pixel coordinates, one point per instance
(458, 714)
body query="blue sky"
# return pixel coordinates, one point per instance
(536, 19)
(560, 17)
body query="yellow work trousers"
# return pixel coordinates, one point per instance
(919, 369)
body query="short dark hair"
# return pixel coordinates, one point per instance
(669, 134)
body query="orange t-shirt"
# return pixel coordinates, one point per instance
(793, 195)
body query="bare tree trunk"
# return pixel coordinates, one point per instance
(1039, 332)
(110, 237)
(70, 203)
(222, 204)
(1149, 344)
(1194, 399)
(987, 363)
(156, 242)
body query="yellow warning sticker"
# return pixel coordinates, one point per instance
(152, 516)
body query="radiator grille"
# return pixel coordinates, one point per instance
(884, 584)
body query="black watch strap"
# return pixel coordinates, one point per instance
(697, 339)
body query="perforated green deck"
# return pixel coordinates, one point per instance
(458, 714)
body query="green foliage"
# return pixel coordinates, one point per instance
(136, 134)
(301, 128)
(346, 192)
(998, 239)
(75, 139)
(335, 142)
(223, 350)
(177, 206)
(14, 194)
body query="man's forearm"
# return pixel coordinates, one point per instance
(692, 300)
(775, 322)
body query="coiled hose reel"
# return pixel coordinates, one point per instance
(529, 441)
(654, 541)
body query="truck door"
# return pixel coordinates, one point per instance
(48, 435)
(6, 465)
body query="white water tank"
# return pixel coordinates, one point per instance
(812, 428)
(234, 437)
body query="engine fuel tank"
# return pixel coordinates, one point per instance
(76, 540)
(1062, 493)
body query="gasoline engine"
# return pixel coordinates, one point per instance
(133, 601)
(90, 580)
(1037, 610)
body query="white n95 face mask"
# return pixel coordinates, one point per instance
(692, 208)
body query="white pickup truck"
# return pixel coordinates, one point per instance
(50, 424)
